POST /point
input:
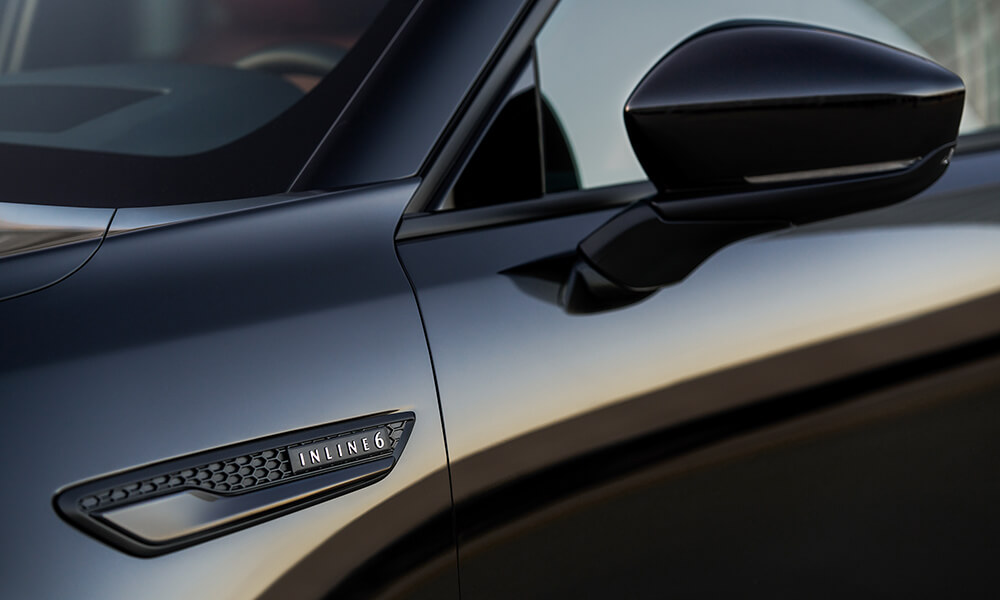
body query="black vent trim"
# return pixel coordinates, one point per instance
(235, 470)
(239, 474)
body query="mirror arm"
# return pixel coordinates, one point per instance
(639, 251)
(659, 241)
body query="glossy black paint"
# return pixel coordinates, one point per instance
(745, 99)
(661, 240)
(639, 251)
(853, 124)
(559, 204)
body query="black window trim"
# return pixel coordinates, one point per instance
(527, 68)
(549, 206)
(440, 171)
(420, 219)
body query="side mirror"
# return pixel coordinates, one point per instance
(752, 126)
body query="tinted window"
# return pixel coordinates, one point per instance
(522, 154)
(134, 102)
(592, 54)
(506, 165)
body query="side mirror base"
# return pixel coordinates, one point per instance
(659, 241)
(748, 127)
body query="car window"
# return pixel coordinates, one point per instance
(522, 155)
(84, 75)
(506, 164)
(167, 101)
(592, 53)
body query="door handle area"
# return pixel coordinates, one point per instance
(174, 504)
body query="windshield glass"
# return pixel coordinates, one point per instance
(141, 102)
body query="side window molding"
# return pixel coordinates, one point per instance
(505, 164)
(521, 155)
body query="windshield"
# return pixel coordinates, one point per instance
(144, 102)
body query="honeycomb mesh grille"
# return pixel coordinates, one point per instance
(237, 474)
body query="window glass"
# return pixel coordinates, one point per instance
(592, 54)
(165, 77)
(507, 163)
(165, 101)
(523, 153)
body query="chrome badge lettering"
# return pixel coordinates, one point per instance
(340, 449)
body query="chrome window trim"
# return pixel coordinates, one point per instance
(28, 228)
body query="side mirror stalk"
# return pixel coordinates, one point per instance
(748, 127)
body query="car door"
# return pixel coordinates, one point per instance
(811, 411)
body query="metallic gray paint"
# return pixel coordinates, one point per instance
(881, 493)
(525, 386)
(40, 245)
(28, 228)
(197, 335)
(128, 220)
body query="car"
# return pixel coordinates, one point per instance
(519, 298)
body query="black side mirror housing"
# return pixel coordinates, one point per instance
(744, 105)
(752, 126)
